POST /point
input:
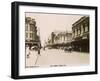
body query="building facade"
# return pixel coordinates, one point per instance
(60, 39)
(31, 37)
(80, 34)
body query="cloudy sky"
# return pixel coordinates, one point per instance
(48, 23)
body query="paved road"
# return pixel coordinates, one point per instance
(57, 57)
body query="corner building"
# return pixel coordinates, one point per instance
(80, 35)
(31, 37)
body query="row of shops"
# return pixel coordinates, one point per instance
(80, 37)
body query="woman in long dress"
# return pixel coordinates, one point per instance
(27, 52)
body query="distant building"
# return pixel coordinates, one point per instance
(80, 34)
(63, 38)
(31, 37)
(60, 39)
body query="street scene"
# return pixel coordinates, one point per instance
(56, 40)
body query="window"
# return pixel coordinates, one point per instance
(76, 31)
(79, 30)
(30, 35)
(83, 27)
(86, 27)
(31, 27)
(73, 33)
(26, 35)
(26, 27)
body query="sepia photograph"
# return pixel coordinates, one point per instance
(56, 40)
(51, 40)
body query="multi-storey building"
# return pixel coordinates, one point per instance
(60, 39)
(80, 34)
(31, 37)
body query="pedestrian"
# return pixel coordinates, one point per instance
(39, 51)
(80, 49)
(44, 47)
(28, 55)
(28, 52)
(70, 49)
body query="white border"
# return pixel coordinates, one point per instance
(53, 70)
